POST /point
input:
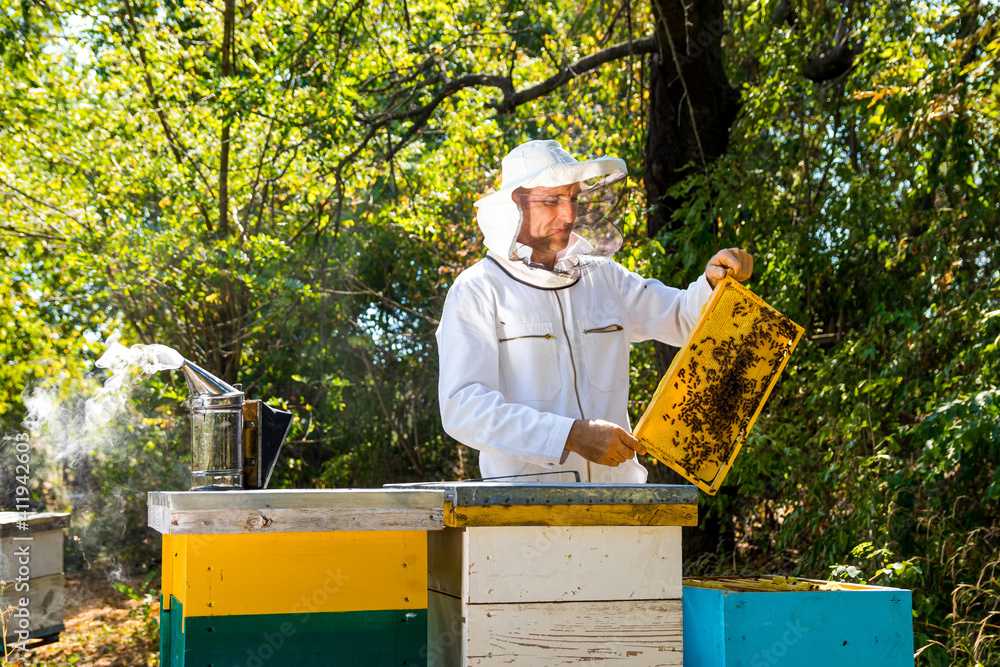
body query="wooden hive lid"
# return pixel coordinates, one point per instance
(495, 503)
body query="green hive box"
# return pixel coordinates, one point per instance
(738, 622)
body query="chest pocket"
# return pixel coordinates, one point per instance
(605, 351)
(529, 362)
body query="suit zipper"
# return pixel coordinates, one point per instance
(572, 362)
(546, 336)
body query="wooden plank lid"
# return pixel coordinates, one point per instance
(24, 523)
(294, 510)
(490, 503)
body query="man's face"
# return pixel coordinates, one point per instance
(548, 215)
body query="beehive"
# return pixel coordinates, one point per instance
(557, 574)
(33, 540)
(718, 382)
(294, 576)
(743, 622)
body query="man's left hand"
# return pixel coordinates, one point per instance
(732, 261)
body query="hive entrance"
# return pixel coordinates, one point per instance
(718, 382)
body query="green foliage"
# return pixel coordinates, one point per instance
(145, 596)
(869, 202)
(870, 205)
(317, 280)
(902, 574)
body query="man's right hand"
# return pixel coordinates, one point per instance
(602, 442)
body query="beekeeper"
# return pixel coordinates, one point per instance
(534, 339)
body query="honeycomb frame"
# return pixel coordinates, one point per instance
(717, 384)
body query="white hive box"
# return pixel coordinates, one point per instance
(42, 534)
(558, 574)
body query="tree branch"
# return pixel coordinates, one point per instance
(419, 116)
(180, 152)
(832, 63)
(228, 30)
(784, 12)
(582, 66)
(511, 98)
(838, 60)
(45, 204)
(30, 235)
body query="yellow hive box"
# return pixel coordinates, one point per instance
(717, 384)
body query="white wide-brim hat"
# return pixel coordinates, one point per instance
(538, 163)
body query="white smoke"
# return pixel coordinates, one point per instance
(70, 421)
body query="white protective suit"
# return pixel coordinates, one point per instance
(519, 363)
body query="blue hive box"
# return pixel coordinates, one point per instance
(738, 622)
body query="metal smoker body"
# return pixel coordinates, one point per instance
(234, 442)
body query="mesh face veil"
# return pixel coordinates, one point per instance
(553, 218)
(572, 230)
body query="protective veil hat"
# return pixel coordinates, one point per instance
(544, 163)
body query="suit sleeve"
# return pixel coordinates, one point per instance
(473, 411)
(659, 312)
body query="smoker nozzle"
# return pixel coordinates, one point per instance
(209, 389)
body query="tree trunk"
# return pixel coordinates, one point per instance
(232, 309)
(691, 109)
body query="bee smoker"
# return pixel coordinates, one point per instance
(234, 442)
